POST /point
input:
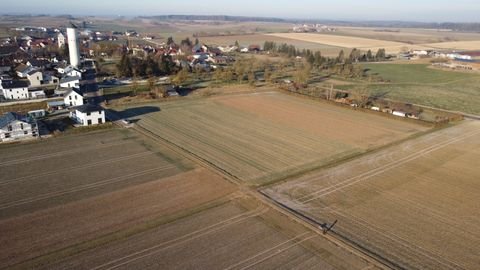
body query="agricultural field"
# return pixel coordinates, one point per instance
(238, 234)
(264, 137)
(349, 42)
(259, 39)
(129, 182)
(407, 35)
(422, 84)
(414, 204)
(116, 199)
(457, 45)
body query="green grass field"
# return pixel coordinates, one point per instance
(420, 84)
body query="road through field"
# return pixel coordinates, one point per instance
(415, 203)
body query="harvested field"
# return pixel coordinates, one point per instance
(246, 40)
(91, 189)
(56, 171)
(414, 204)
(456, 45)
(407, 35)
(239, 234)
(264, 137)
(350, 42)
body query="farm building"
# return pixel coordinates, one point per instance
(88, 114)
(16, 127)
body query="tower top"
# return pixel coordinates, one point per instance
(73, 25)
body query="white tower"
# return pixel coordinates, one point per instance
(73, 49)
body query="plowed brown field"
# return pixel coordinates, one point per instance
(415, 204)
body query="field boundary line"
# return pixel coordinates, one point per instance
(373, 172)
(267, 250)
(183, 239)
(336, 238)
(279, 252)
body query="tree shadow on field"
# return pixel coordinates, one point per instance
(130, 113)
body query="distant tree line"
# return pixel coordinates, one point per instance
(341, 65)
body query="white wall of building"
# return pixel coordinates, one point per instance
(88, 119)
(35, 79)
(17, 130)
(16, 93)
(73, 99)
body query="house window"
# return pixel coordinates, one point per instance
(25, 132)
(21, 126)
(7, 135)
(10, 128)
(100, 121)
(70, 97)
(89, 113)
(89, 122)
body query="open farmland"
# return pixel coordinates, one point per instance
(421, 84)
(264, 137)
(239, 234)
(414, 204)
(456, 45)
(86, 190)
(63, 213)
(259, 39)
(350, 42)
(407, 35)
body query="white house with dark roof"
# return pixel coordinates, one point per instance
(75, 72)
(16, 127)
(88, 115)
(14, 89)
(35, 77)
(70, 82)
(22, 70)
(73, 97)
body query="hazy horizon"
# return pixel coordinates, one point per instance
(368, 10)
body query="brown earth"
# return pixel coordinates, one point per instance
(414, 204)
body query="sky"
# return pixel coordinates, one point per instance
(372, 10)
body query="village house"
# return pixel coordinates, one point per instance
(70, 82)
(16, 127)
(35, 77)
(73, 97)
(88, 114)
(14, 89)
(23, 70)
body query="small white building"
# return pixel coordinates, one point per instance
(70, 82)
(16, 127)
(36, 93)
(35, 77)
(399, 113)
(64, 69)
(73, 97)
(15, 89)
(74, 73)
(88, 114)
